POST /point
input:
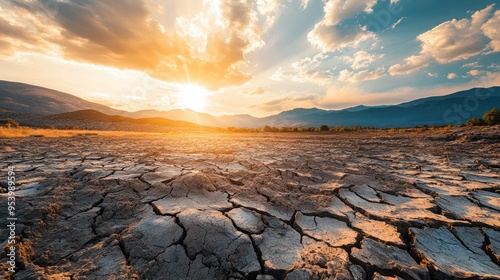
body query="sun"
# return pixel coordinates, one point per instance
(192, 97)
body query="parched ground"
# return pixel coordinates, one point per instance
(371, 205)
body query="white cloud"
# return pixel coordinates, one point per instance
(305, 70)
(305, 100)
(304, 4)
(451, 76)
(454, 40)
(494, 66)
(328, 36)
(490, 29)
(270, 10)
(397, 22)
(360, 59)
(338, 10)
(474, 64)
(410, 65)
(365, 75)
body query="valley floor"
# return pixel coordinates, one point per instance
(364, 205)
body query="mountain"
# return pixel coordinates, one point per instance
(96, 116)
(25, 98)
(455, 108)
(199, 118)
(95, 120)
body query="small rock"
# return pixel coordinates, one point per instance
(246, 220)
(200, 199)
(151, 236)
(377, 276)
(494, 246)
(366, 192)
(449, 258)
(462, 208)
(280, 246)
(488, 199)
(388, 257)
(380, 230)
(334, 232)
(211, 233)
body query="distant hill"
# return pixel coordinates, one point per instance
(200, 118)
(91, 119)
(29, 99)
(455, 108)
(96, 116)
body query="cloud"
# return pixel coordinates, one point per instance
(304, 4)
(451, 76)
(338, 10)
(258, 91)
(365, 75)
(360, 59)
(306, 70)
(287, 103)
(494, 66)
(410, 65)
(452, 41)
(443, 43)
(329, 34)
(490, 29)
(127, 37)
(329, 38)
(397, 22)
(475, 72)
(474, 64)
(270, 10)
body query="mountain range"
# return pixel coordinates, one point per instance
(18, 99)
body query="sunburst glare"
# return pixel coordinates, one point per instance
(192, 97)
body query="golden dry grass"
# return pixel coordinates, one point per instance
(43, 132)
(14, 132)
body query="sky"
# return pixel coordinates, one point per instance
(256, 57)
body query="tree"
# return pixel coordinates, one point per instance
(324, 128)
(492, 117)
(11, 123)
(270, 129)
(475, 122)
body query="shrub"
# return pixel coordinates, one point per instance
(475, 122)
(324, 128)
(12, 123)
(492, 117)
(270, 129)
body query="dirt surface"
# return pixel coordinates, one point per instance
(374, 205)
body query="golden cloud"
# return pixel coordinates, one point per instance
(122, 34)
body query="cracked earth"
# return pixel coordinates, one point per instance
(257, 206)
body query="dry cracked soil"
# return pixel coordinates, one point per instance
(365, 205)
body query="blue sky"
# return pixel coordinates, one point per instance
(258, 57)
